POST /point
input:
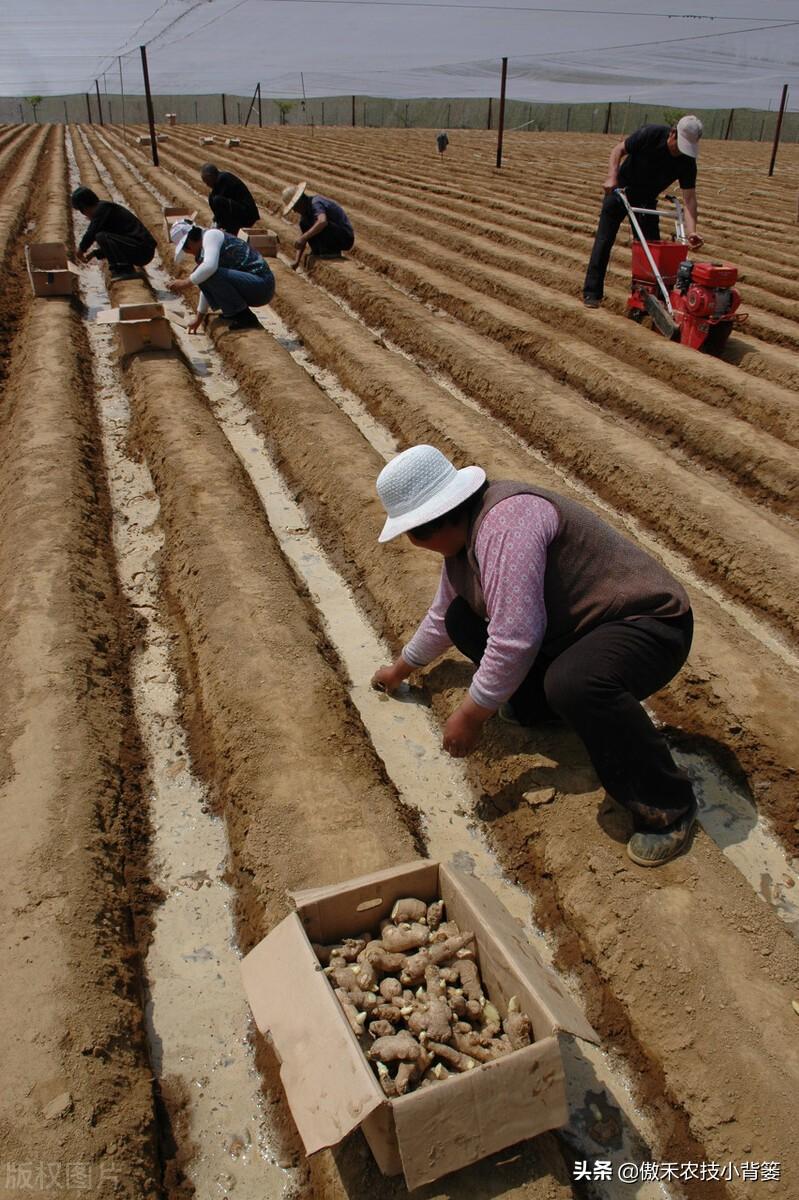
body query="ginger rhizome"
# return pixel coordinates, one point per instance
(413, 997)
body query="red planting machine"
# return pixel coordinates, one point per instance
(695, 303)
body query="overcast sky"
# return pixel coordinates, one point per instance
(733, 53)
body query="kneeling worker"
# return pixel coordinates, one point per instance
(120, 236)
(564, 616)
(324, 225)
(229, 199)
(229, 273)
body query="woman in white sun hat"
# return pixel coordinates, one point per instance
(565, 618)
(229, 273)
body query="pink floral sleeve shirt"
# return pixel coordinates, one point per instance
(511, 552)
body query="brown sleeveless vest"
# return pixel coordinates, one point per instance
(593, 574)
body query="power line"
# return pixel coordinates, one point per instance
(775, 22)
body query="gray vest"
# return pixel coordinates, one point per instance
(593, 574)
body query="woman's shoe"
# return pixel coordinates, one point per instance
(246, 319)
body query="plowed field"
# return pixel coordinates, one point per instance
(214, 505)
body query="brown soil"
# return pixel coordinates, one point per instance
(77, 1087)
(685, 972)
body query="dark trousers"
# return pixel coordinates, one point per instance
(122, 250)
(611, 216)
(596, 686)
(332, 240)
(230, 215)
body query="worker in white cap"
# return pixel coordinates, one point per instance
(566, 620)
(644, 164)
(324, 225)
(229, 273)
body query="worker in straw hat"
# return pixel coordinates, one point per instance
(644, 164)
(324, 225)
(565, 618)
(229, 273)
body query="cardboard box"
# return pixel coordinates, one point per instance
(49, 270)
(176, 212)
(140, 326)
(143, 140)
(232, 141)
(171, 118)
(330, 1086)
(265, 241)
(206, 141)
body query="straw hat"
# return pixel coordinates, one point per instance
(291, 195)
(178, 233)
(421, 484)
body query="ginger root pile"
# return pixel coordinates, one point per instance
(413, 996)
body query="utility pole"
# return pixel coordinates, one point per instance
(728, 130)
(99, 105)
(777, 130)
(88, 108)
(149, 98)
(607, 120)
(224, 110)
(122, 93)
(353, 112)
(503, 81)
(260, 115)
(488, 122)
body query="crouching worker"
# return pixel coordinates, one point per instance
(324, 225)
(566, 619)
(119, 235)
(231, 275)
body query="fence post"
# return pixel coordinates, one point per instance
(149, 98)
(607, 120)
(728, 130)
(224, 110)
(777, 130)
(488, 123)
(88, 109)
(501, 127)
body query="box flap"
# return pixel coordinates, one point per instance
(452, 1124)
(561, 1011)
(132, 314)
(47, 256)
(345, 909)
(329, 1085)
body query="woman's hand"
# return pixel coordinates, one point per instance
(695, 241)
(178, 285)
(388, 679)
(462, 730)
(299, 244)
(199, 322)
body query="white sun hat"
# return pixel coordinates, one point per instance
(421, 484)
(689, 131)
(291, 195)
(178, 234)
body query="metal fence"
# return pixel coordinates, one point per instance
(740, 124)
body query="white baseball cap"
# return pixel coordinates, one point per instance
(421, 484)
(689, 131)
(178, 234)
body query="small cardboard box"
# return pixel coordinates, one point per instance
(176, 212)
(263, 240)
(143, 140)
(49, 270)
(232, 141)
(206, 141)
(140, 326)
(171, 118)
(330, 1086)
